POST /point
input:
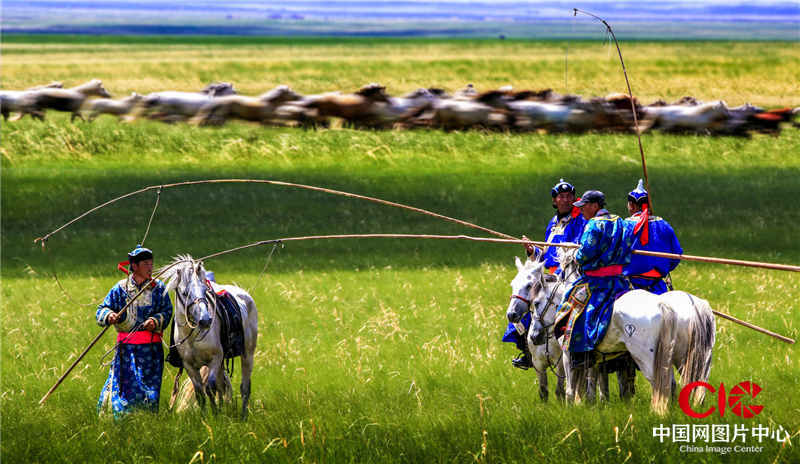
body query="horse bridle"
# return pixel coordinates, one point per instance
(181, 297)
(539, 317)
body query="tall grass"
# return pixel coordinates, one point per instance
(373, 350)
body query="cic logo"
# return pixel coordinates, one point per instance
(737, 400)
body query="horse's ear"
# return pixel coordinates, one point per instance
(518, 263)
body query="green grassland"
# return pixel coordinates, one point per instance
(379, 350)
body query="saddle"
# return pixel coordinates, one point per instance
(231, 329)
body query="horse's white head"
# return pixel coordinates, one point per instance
(536, 292)
(93, 87)
(188, 278)
(524, 286)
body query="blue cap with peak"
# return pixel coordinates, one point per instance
(591, 196)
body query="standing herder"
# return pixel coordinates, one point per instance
(134, 379)
(652, 234)
(605, 249)
(566, 226)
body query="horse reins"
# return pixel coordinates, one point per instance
(548, 334)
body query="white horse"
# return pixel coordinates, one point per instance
(259, 109)
(198, 330)
(545, 349)
(10, 100)
(708, 117)
(659, 331)
(68, 100)
(485, 110)
(540, 294)
(405, 108)
(118, 108)
(173, 106)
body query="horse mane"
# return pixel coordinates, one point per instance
(418, 93)
(714, 106)
(437, 92)
(565, 257)
(536, 95)
(687, 100)
(274, 93)
(169, 271)
(489, 96)
(370, 89)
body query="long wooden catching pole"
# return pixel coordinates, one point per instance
(540, 244)
(702, 259)
(45, 237)
(630, 95)
(754, 327)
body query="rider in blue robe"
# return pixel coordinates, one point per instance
(134, 379)
(652, 234)
(605, 249)
(565, 226)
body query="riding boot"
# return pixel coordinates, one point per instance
(523, 361)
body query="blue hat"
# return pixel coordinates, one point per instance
(591, 196)
(140, 253)
(562, 186)
(639, 194)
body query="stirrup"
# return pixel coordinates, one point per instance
(522, 361)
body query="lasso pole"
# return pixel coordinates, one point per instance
(44, 238)
(540, 244)
(508, 238)
(630, 94)
(69, 369)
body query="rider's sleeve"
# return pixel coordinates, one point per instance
(114, 301)
(676, 248)
(589, 240)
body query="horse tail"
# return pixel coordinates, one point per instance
(697, 366)
(662, 365)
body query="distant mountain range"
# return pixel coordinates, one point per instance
(673, 19)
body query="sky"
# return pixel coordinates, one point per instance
(383, 16)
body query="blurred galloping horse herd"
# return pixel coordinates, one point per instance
(371, 107)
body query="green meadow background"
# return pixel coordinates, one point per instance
(380, 350)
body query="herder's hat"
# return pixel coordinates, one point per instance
(591, 196)
(639, 194)
(140, 253)
(562, 186)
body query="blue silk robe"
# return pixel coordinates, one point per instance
(587, 306)
(134, 379)
(661, 237)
